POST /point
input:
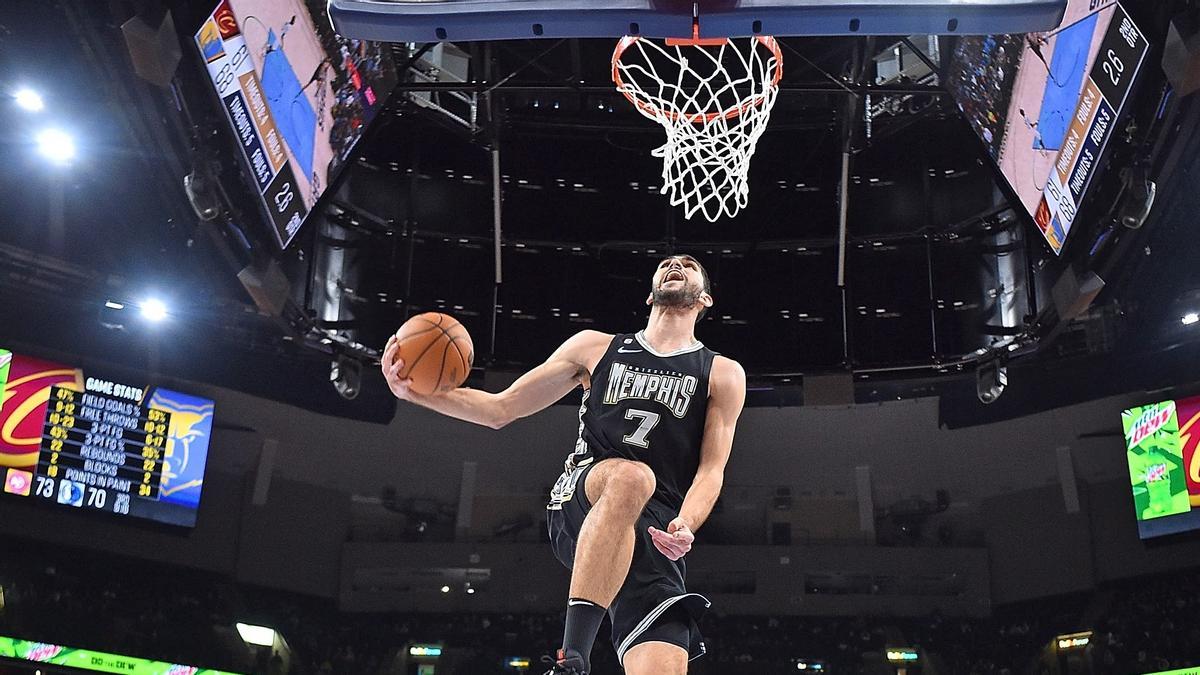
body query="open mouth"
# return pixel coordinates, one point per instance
(673, 275)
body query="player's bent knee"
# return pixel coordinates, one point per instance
(633, 480)
(656, 658)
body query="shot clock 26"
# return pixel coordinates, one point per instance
(92, 443)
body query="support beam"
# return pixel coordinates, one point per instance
(607, 88)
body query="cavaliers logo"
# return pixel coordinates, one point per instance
(226, 22)
(1042, 215)
(23, 407)
(1189, 436)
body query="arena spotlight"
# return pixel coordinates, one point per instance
(445, 589)
(256, 635)
(991, 377)
(154, 309)
(29, 99)
(56, 145)
(1191, 318)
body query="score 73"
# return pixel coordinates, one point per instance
(45, 487)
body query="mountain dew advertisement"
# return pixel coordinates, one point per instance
(1157, 470)
(83, 659)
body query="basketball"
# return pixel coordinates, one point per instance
(437, 352)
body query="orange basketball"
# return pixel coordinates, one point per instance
(437, 352)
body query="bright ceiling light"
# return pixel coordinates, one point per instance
(56, 146)
(256, 635)
(154, 309)
(445, 589)
(1189, 319)
(113, 304)
(29, 100)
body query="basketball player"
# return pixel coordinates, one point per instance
(1033, 127)
(656, 428)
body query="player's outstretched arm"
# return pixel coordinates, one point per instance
(535, 390)
(727, 395)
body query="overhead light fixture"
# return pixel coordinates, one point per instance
(154, 309)
(256, 635)
(29, 99)
(445, 589)
(56, 145)
(1191, 318)
(112, 304)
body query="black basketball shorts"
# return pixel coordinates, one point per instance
(653, 603)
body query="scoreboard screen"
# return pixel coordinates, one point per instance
(1164, 466)
(298, 96)
(76, 440)
(1046, 104)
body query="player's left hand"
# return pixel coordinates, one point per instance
(676, 541)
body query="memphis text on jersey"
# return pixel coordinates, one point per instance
(673, 390)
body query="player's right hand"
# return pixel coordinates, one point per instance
(391, 367)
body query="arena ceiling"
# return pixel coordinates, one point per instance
(582, 223)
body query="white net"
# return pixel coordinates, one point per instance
(714, 102)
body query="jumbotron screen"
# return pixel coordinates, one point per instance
(82, 441)
(298, 96)
(1045, 104)
(1164, 467)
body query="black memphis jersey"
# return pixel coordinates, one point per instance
(647, 407)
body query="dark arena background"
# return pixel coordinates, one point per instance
(967, 444)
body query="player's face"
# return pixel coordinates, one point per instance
(678, 283)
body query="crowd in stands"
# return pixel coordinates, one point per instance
(978, 79)
(1152, 625)
(178, 616)
(132, 608)
(1009, 641)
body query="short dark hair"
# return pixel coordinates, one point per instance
(703, 275)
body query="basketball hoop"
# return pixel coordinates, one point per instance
(713, 97)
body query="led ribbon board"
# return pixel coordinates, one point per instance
(100, 662)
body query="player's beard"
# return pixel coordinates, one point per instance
(685, 297)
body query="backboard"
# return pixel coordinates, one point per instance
(467, 20)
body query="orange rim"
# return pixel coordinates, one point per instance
(696, 41)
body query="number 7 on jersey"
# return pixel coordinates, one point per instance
(648, 421)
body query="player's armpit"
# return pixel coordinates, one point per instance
(546, 384)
